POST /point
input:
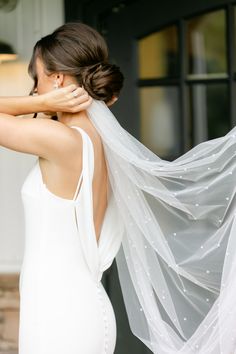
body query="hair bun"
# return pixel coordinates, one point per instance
(102, 80)
(78, 50)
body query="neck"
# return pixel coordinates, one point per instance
(72, 118)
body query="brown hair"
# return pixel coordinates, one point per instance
(79, 50)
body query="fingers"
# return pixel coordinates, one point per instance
(78, 93)
(70, 88)
(82, 106)
(73, 99)
(74, 90)
(83, 97)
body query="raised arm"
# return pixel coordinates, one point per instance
(47, 138)
(66, 99)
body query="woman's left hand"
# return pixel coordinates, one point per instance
(66, 99)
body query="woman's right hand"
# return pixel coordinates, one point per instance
(66, 99)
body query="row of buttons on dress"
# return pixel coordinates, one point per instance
(104, 317)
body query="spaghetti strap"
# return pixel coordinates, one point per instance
(78, 186)
(87, 154)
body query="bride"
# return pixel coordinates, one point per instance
(96, 193)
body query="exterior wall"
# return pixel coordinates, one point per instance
(28, 22)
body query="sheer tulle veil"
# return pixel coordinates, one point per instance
(177, 260)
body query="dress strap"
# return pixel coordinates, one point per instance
(84, 209)
(78, 186)
(87, 156)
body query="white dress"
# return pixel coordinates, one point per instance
(64, 307)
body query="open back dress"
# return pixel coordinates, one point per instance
(64, 307)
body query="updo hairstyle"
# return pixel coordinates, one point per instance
(78, 50)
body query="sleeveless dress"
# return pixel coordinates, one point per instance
(64, 307)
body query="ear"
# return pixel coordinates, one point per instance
(58, 79)
(112, 100)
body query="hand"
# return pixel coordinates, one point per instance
(66, 99)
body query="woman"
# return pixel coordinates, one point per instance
(64, 307)
(95, 188)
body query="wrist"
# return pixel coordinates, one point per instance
(40, 103)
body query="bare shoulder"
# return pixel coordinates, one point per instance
(44, 138)
(90, 131)
(96, 140)
(61, 177)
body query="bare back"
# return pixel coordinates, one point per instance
(62, 180)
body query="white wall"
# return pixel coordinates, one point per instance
(31, 20)
(22, 27)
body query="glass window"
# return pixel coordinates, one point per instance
(206, 106)
(158, 54)
(206, 45)
(209, 111)
(160, 123)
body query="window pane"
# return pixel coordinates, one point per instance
(158, 54)
(206, 43)
(160, 123)
(209, 109)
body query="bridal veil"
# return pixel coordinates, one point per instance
(177, 260)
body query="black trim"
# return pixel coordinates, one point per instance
(207, 81)
(230, 23)
(185, 126)
(158, 82)
(176, 82)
